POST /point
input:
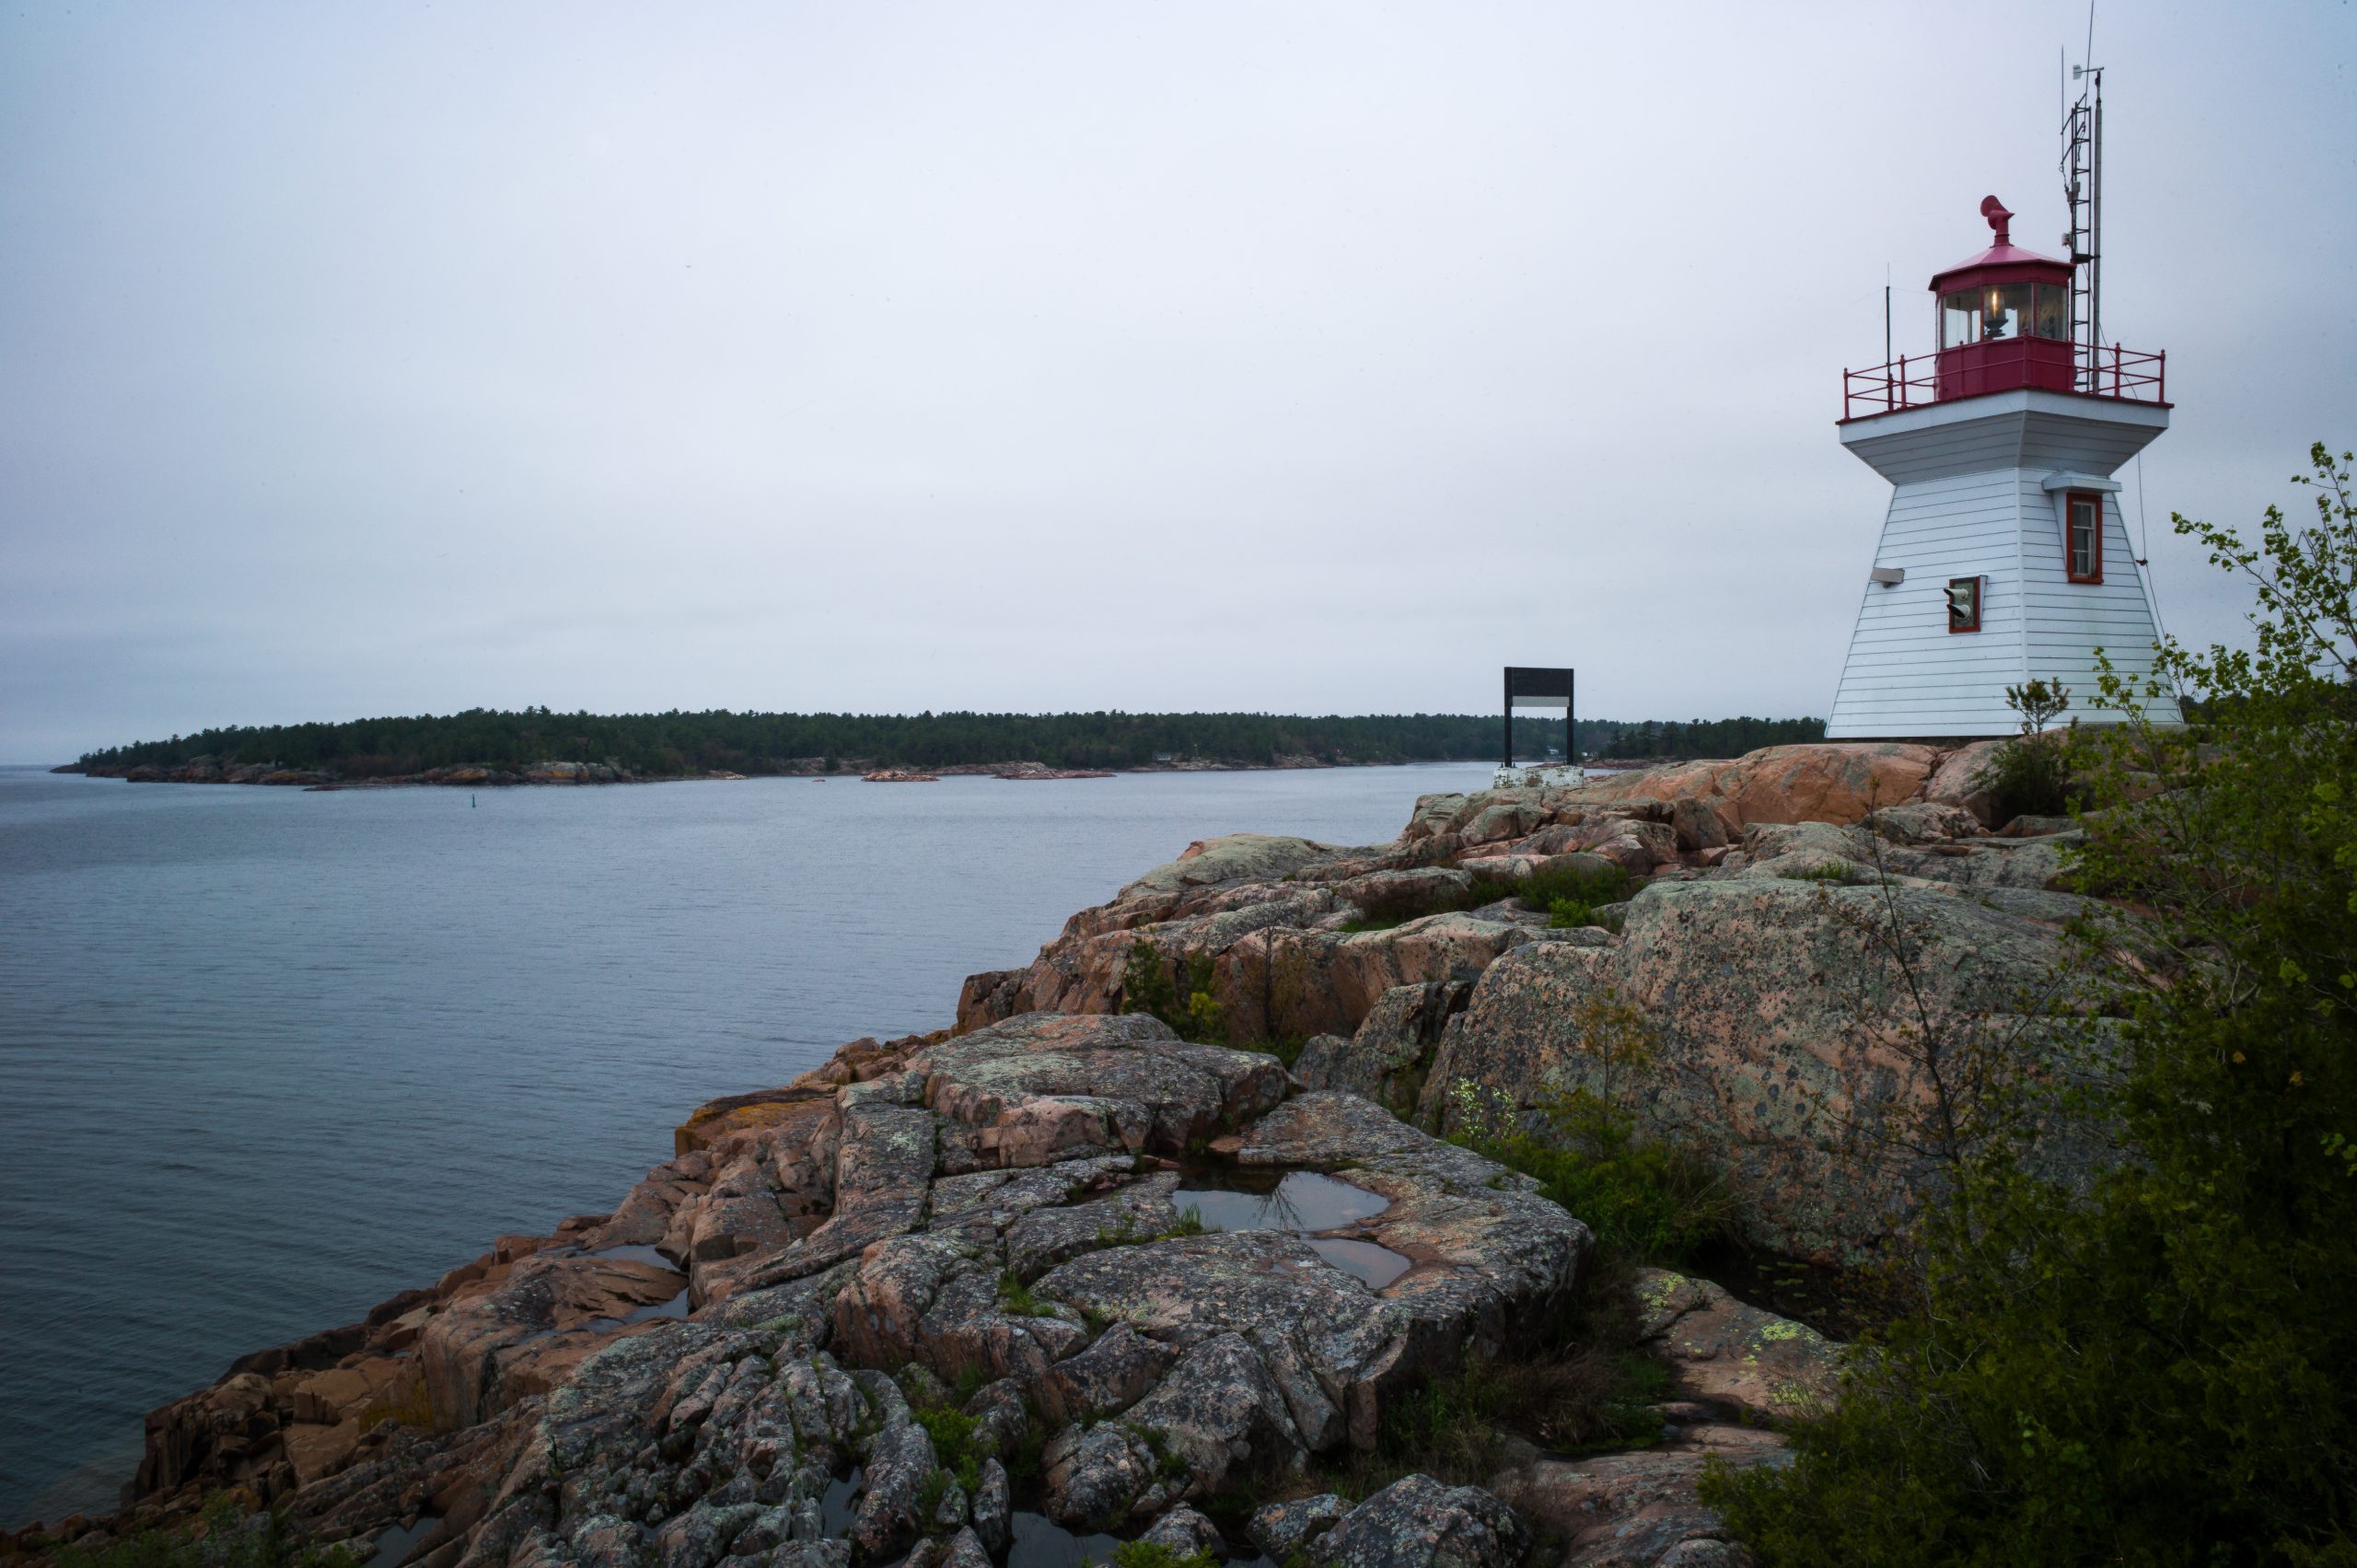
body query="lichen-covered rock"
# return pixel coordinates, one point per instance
(1286, 981)
(527, 1327)
(1636, 1510)
(1957, 780)
(993, 1508)
(933, 1298)
(1820, 781)
(1491, 1261)
(1324, 1341)
(1728, 1352)
(1279, 1529)
(899, 1460)
(1047, 1086)
(1385, 1060)
(1417, 1521)
(1134, 1211)
(1406, 892)
(1778, 1036)
(1105, 1380)
(1093, 1476)
(1186, 1532)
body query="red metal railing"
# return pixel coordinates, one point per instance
(1913, 381)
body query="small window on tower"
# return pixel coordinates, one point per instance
(1964, 604)
(2083, 537)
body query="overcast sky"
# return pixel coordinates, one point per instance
(392, 358)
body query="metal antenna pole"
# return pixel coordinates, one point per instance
(2094, 211)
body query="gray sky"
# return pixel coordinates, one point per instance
(359, 359)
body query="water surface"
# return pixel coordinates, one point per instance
(268, 1056)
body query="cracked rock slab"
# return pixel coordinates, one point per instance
(1046, 1086)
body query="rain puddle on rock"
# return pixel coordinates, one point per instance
(836, 1510)
(395, 1543)
(1041, 1542)
(1301, 1201)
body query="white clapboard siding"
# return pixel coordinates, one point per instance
(1970, 500)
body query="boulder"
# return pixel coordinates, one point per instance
(1106, 1378)
(1956, 781)
(1186, 1532)
(522, 1333)
(1385, 1060)
(1823, 782)
(1279, 1529)
(1924, 821)
(1726, 1353)
(1290, 982)
(1628, 1510)
(1045, 1087)
(1407, 893)
(1237, 858)
(1417, 1521)
(1781, 1041)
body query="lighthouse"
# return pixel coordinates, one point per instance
(2003, 557)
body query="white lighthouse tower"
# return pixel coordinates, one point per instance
(2003, 557)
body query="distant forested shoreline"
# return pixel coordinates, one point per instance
(682, 744)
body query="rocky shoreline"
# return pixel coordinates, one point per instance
(951, 1287)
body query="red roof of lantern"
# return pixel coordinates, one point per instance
(2003, 262)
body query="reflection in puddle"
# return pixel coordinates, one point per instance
(396, 1542)
(1041, 1542)
(1378, 1266)
(835, 1507)
(1303, 1202)
(632, 1255)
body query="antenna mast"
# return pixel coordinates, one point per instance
(2083, 187)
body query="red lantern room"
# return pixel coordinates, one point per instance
(2008, 322)
(2004, 318)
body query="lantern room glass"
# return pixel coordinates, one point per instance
(1960, 318)
(2053, 312)
(2003, 312)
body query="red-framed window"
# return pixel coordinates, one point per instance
(2083, 535)
(1964, 604)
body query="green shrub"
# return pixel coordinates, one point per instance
(1578, 889)
(1148, 986)
(2029, 777)
(1650, 1201)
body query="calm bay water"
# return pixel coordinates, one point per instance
(267, 1057)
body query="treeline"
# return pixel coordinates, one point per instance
(1708, 738)
(657, 745)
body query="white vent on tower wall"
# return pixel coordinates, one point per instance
(1889, 576)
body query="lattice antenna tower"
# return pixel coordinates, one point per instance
(2082, 190)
